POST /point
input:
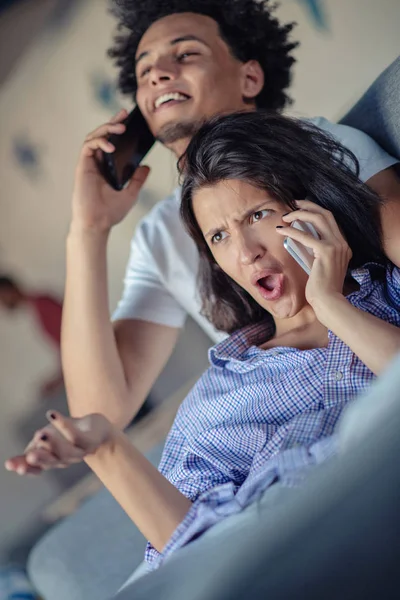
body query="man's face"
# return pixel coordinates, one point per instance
(186, 73)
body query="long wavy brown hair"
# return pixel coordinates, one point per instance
(290, 159)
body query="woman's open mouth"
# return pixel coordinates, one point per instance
(271, 286)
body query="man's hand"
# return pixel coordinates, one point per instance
(64, 442)
(96, 206)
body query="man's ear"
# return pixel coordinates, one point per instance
(252, 79)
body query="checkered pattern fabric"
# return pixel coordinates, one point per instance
(258, 416)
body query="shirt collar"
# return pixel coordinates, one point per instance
(235, 347)
(365, 277)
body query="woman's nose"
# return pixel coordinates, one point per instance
(249, 251)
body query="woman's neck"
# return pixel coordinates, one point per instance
(302, 331)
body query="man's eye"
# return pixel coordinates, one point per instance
(258, 215)
(145, 71)
(218, 237)
(184, 55)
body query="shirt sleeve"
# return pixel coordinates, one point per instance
(145, 295)
(371, 157)
(393, 288)
(198, 480)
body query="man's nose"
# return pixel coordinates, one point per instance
(163, 70)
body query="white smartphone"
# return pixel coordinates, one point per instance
(301, 254)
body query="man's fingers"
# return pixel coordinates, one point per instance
(105, 130)
(138, 179)
(119, 116)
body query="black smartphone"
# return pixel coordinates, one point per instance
(131, 147)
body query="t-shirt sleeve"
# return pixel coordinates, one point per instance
(145, 295)
(371, 157)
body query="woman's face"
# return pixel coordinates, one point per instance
(239, 222)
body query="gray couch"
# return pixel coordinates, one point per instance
(91, 553)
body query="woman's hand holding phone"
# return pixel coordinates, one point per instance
(331, 254)
(96, 206)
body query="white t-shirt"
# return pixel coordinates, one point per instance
(160, 280)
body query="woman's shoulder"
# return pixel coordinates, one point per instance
(379, 288)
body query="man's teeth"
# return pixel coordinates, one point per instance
(167, 97)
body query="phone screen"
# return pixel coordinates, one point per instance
(130, 149)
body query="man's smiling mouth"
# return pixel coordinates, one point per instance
(169, 99)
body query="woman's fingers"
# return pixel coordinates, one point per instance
(312, 207)
(324, 222)
(56, 444)
(18, 465)
(66, 441)
(69, 430)
(42, 458)
(300, 236)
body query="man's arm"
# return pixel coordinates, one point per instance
(386, 183)
(106, 370)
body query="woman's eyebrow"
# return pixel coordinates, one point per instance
(254, 209)
(242, 217)
(213, 231)
(174, 42)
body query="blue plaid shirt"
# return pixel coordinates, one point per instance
(258, 416)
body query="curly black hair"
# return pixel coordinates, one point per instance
(245, 25)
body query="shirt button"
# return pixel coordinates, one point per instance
(338, 375)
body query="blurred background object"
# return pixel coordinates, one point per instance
(47, 313)
(56, 84)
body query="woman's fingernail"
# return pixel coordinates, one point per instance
(52, 416)
(285, 215)
(279, 227)
(44, 437)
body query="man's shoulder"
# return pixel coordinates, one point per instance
(161, 222)
(166, 208)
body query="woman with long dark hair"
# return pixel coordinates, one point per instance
(303, 344)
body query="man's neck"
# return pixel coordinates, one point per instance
(179, 147)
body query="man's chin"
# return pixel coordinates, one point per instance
(172, 132)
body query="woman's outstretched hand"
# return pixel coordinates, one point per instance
(65, 441)
(331, 253)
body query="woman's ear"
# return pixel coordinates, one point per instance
(252, 80)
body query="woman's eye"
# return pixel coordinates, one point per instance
(218, 237)
(258, 215)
